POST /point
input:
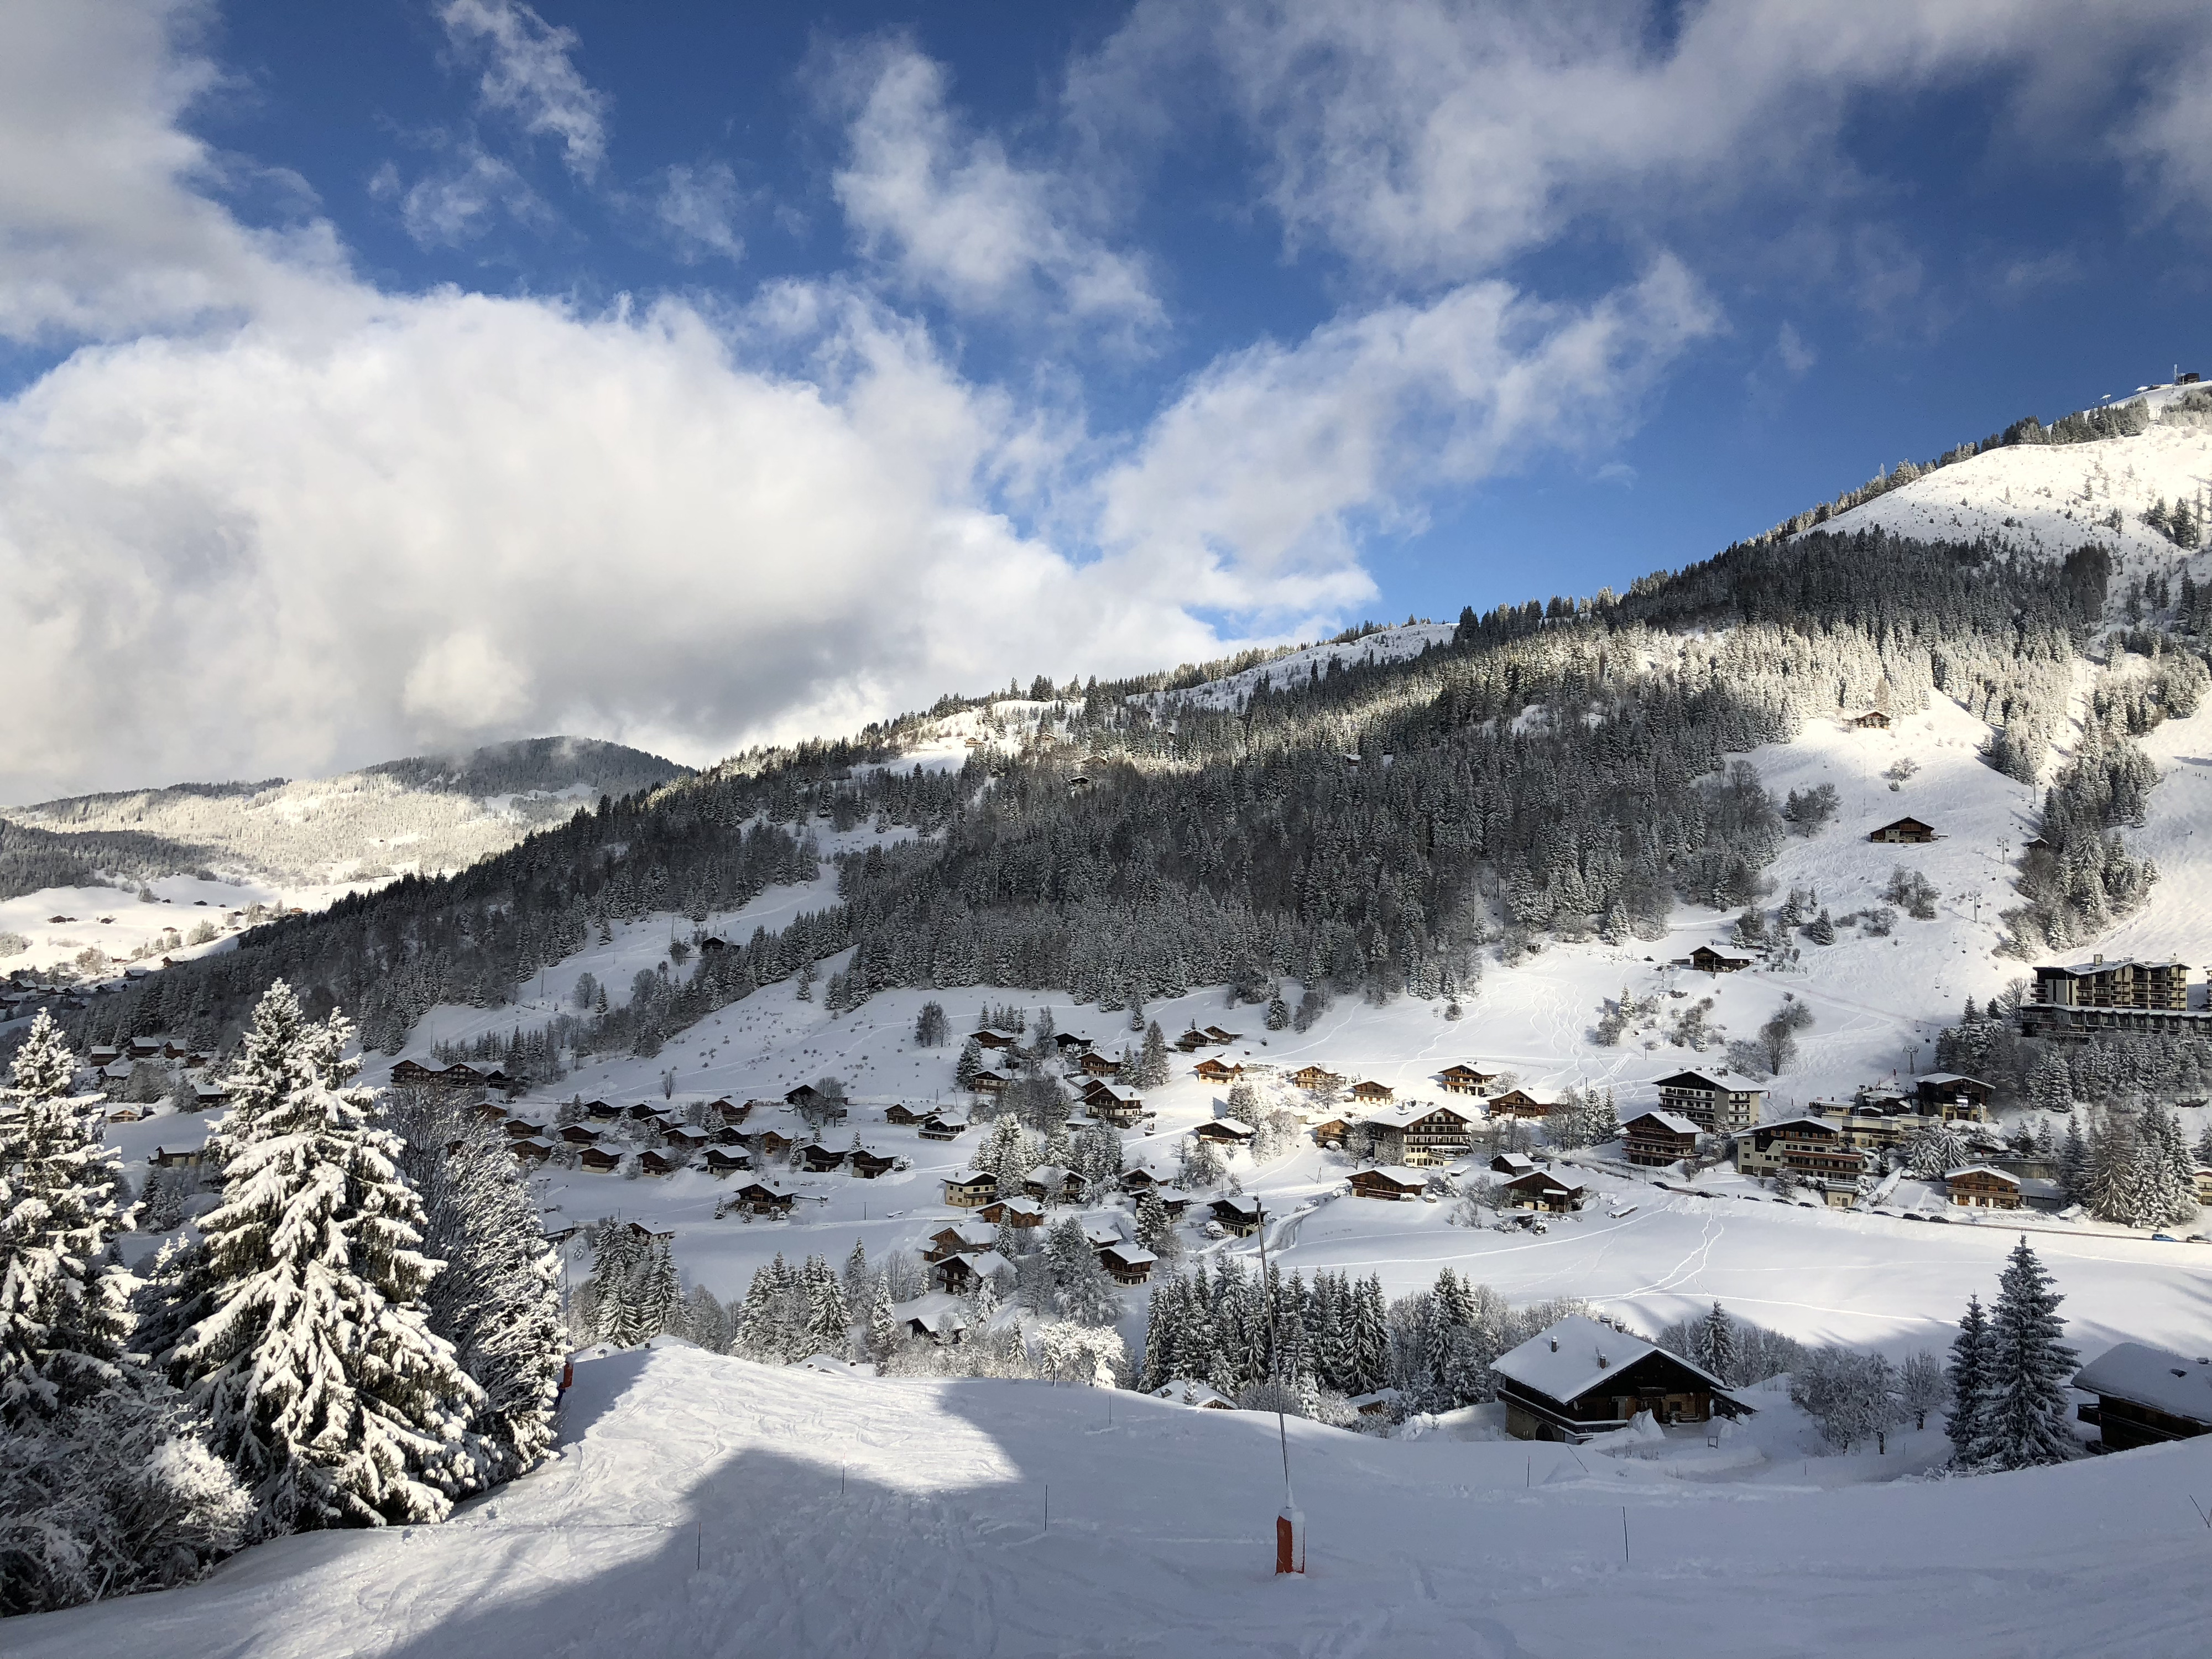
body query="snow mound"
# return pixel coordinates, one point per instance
(704, 1505)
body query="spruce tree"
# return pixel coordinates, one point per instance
(2164, 1180)
(1152, 1063)
(498, 1299)
(63, 1315)
(2073, 1162)
(2021, 1406)
(1370, 1336)
(829, 1320)
(314, 1357)
(883, 1324)
(1968, 1377)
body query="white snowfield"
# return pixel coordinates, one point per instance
(705, 1506)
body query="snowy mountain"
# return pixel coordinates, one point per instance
(297, 843)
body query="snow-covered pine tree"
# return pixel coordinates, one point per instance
(2115, 1173)
(829, 1320)
(1370, 1336)
(313, 1358)
(970, 1063)
(1967, 1376)
(2073, 1162)
(2021, 1407)
(662, 1299)
(2165, 1179)
(1152, 1063)
(614, 1294)
(2051, 1084)
(1716, 1344)
(498, 1299)
(64, 1297)
(883, 1324)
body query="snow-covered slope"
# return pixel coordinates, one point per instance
(2049, 499)
(1384, 646)
(705, 1506)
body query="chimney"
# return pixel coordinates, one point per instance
(1555, 1345)
(2099, 959)
(1603, 1362)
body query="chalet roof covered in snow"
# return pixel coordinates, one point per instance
(1576, 1355)
(1672, 1123)
(1724, 1081)
(2151, 1377)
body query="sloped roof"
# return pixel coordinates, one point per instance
(2151, 1377)
(1564, 1361)
(1672, 1123)
(1722, 1079)
(2006, 1175)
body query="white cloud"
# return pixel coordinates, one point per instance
(1434, 139)
(458, 203)
(1262, 473)
(1791, 351)
(101, 229)
(529, 76)
(697, 209)
(955, 216)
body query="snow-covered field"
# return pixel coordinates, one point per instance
(116, 921)
(702, 1505)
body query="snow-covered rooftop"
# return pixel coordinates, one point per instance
(1672, 1123)
(1576, 1355)
(2151, 1377)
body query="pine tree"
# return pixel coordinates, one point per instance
(1968, 1376)
(2116, 1171)
(2051, 1084)
(662, 1300)
(858, 1279)
(1716, 1345)
(1152, 1063)
(313, 1358)
(2164, 1180)
(970, 1063)
(1370, 1337)
(63, 1316)
(2073, 1162)
(498, 1299)
(829, 1322)
(882, 1325)
(2021, 1407)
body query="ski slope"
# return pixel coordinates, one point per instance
(702, 1505)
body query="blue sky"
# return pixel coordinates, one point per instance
(422, 372)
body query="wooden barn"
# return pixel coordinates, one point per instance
(819, 1160)
(1707, 960)
(598, 1160)
(1581, 1379)
(868, 1166)
(720, 1162)
(1392, 1184)
(1224, 1132)
(1540, 1189)
(763, 1198)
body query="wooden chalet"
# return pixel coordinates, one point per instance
(1815, 1151)
(489, 1111)
(710, 946)
(1213, 1071)
(870, 1166)
(1874, 719)
(1372, 1094)
(518, 1128)
(1215, 1034)
(208, 1097)
(1904, 832)
(1387, 1183)
(1718, 1102)
(643, 1112)
(407, 1074)
(1189, 1391)
(1113, 1106)
(996, 1040)
(758, 1197)
(1173, 1199)
(1519, 1102)
(1017, 1210)
(1314, 1076)
(1238, 1214)
(1982, 1187)
(1655, 1138)
(1193, 1040)
(654, 1164)
(943, 1126)
(533, 1150)
(1225, 1132)
(819, 1160)
(1580, 1378)
(601, 1111)
(1094, 1064)
(1951, 1097)
(988, 1082)
(577, 1135)
(814, 1102)
(2145, 1396)
(959, 1273)
(959, 1236)
(1139, 1179)
(774, 1143)
(729, 1112)
(1332, 1131)
(1707, 960)
(902, 1116)
(1068, 1043)
(181, 1158)
(598, 1160)
(721, 1162)
(1540, 1189)
(1053, 1184)
(1510, 1164)
(1421, 1135)
(966, 1189)
(684, 1139)
(1127, 1264)
(1464, 1080)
